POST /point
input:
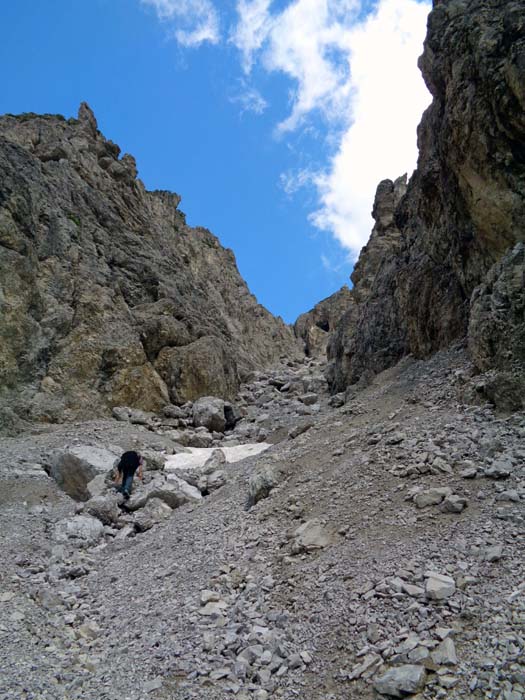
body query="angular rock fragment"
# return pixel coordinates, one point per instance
(80, 530)
(402, 680)
(439, 586)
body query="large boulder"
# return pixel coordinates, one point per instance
(75, 468)
(400, 681)
(208, 412)
(170, 489)
(103, 508)
(80, 531)
(154, 512)
(200, 368)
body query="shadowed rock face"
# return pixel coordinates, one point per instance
(107, 297)
(314, 327)
(465, 204)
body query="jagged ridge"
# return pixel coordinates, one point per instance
(107, 296)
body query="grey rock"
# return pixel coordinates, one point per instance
(132, 415)
(75, 469)
(170, 489)
(453, 504)
(80, 530)
(208, 412)
(432, 496)
(310, 536)
(154, 512)
(173, 323)
(261, 484)
(104, 508)
(439, 586)
(300, 429)
(445, 653)
(309, 399)
(493, 553)
(400, 681)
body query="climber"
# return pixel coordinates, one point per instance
(129, 463)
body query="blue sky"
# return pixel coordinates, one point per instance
(273, 120)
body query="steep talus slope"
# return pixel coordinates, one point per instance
(465, 204)
(388, 533)
(107, 297)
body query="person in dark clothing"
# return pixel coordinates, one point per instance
(129, 463)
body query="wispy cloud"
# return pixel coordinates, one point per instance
(292, 181)
(249, 99)
(353, 67)
(361, 76)
(192, 22)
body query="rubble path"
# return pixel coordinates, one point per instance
(392, 539)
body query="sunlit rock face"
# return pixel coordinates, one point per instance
(107, 297)
(464, 206)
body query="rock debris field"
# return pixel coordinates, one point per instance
(364, 545)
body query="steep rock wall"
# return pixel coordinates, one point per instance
(107, 297)
(465, 204)
(315, 327)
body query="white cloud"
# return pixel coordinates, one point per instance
(249, 99)
(294, 180)
(353, 66)
(362, 77)
(194, 21)
(388, 98)
(252, 29)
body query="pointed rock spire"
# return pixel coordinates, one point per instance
(87, 118)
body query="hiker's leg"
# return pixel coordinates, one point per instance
(119, 481)
(126, 483)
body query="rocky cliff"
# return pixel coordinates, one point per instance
(107, 297)
(463, 209)
(314, 327)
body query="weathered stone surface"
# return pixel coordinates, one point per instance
(314, 327)
(104, 508)
(439, 586)
(75, 469)
(208, 412)
(205, 366)
(445, 653)
(461, 211)
(154, 512)
(401, 681)
(497, 331)
(80, 530)
(310, 536)
(261, 484)
(432, 497)
(172, 490)
(162, 311)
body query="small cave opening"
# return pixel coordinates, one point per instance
(323, 325)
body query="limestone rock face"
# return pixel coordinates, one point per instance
(107, 297)
(358, 344)
(464, 206)
(497, 315)
(314, 327)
